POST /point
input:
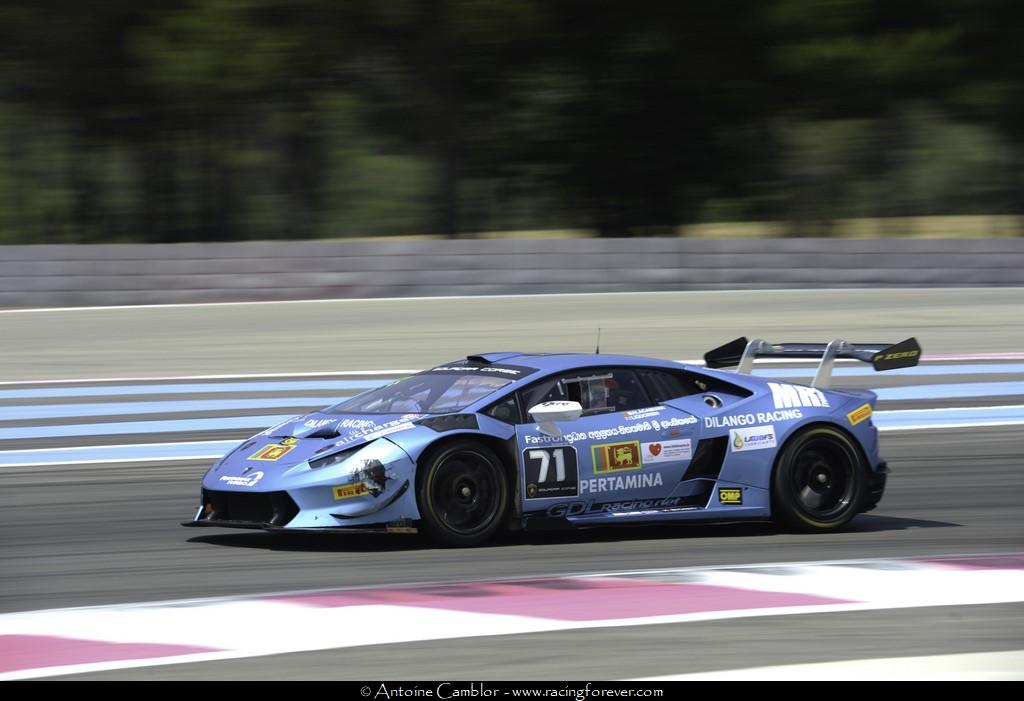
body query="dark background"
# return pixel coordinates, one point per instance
(270, 119)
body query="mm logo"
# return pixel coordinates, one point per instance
(730, 495)
(614, 457)
(272, 453)
(350, 491)
(792, 396)
(861, 413)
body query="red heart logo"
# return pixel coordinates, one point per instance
(655, 449)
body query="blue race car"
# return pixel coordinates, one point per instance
(525, 441)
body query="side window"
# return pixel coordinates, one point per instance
(668, 384)
(665, 384)
(505, 410)
(598, 390)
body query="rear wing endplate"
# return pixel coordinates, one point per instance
(882, 356)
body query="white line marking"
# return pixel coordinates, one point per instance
(977, 666)
(951, 408)
(233, 626)
(114, 446)
(411, 371)
(937, 426)
(257, 376)
(205, 456)
(365, 300)
(114, 461)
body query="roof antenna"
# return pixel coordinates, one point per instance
(597, 351)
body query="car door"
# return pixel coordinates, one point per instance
(620, 455)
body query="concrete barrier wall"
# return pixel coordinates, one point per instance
(37, 276)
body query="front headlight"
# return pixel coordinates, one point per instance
(334, 458)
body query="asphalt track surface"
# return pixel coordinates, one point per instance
(77, 535)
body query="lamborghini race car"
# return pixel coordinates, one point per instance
(519, 440)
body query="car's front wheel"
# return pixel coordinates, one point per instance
(819, 480)
(462, 492)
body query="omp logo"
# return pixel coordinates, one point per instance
(730, 495)
(789, 396)
(859, 414)
(613, 457)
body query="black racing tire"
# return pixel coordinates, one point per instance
(819, 480)
(462, 490)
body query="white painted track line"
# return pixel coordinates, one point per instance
(978, 666)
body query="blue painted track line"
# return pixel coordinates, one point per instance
(53, 411)
(885, 420)
(263, 421)
(939, 418)
(190, 388)
(951, 391)
(228, 423)
(211, 450)
(347, 385)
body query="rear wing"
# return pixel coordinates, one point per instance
(882, 356)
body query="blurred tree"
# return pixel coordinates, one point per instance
(229, 119)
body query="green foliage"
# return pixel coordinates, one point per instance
(256, 119)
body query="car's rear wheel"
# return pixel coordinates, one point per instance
(463, 493)
(819, 480)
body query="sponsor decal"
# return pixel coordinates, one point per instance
(645, 413)
(581, 508)
(755, 438)
(752, 419)
(376, 432)
(244, 481)
(619, 483)
(895, 356)
(291, 440)
(673, 423)
(510, 371)
(665, 451)
(357, 423)
(861, 413)
(317, 423)
(613, 457)
(597, 435)
(788, 396)
(551, 472)
(730, 495)
(272, 453)
(350, 491)
(676, 421)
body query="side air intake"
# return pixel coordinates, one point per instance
(707, 459)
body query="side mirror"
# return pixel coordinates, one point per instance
(547, 413)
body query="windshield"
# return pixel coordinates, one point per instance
(428, 393)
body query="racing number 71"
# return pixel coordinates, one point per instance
(545, 461)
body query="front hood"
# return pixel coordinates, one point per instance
(272, 459)
(342, 429)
